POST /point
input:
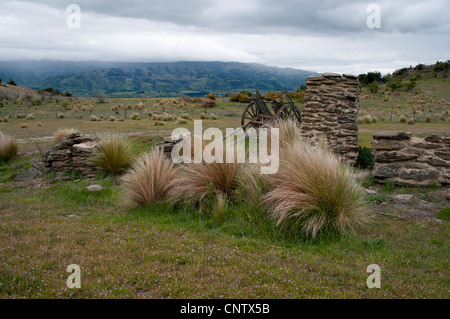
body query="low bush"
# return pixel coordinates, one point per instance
(209, 103)
(365, 158)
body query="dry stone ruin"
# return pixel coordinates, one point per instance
(331, 110)
(407, 160)
(72, 154)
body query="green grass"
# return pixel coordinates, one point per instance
(444, 213)
(167, 251)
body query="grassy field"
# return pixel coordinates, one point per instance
(166, 251)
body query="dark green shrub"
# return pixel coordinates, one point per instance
(365, 158)
(374, 87)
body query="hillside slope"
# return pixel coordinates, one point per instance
(163, 79)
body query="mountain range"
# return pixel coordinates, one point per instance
(142, 79)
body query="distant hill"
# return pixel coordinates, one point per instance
(128, 79)
(13, 92)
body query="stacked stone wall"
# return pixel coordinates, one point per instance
(407, 160)
(331, 111)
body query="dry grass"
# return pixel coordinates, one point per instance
(114, 154)
(8, 148)
(149, 178)
(313, 190)
(197, 181)
(61, 133)
(289, 132)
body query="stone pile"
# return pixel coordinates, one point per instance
(407, 160)
(331, 111)
(167, 144)
(72, 154)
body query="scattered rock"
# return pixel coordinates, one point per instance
(94, 188)
(370, 191)
(402, 199)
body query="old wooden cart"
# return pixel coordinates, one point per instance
(258, 113)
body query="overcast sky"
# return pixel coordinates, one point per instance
(323, 36)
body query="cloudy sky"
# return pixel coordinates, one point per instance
(323, 36)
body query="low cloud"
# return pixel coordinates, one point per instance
(319, 36)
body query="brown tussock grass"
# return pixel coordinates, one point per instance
(149, 178)
(8, 148)
(314, 190)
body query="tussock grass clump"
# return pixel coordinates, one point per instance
(94, 118)
(149, 178)
(114, 154)
(135, 116)
(8, 148)
(314, 191)
(289, 131)
(23, 125)
(368, 119)
(181, 121)
(60, 134)
(197, 181)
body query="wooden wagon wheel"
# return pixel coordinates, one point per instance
(250, 117)
(290, 111)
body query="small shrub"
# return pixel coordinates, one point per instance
(428, 119)
(159, 123)
(209, 103)
(402, 119)
(411, 121)
(185, 116)
(211, 96)
(114, 154)
(60, 134)
(203, 116)
(240, 98)
(94, 118)
(112, 118)
(149, 179)
(213, 117)
(23, 125)
(8, 148)
(365, 158)
(39, 124)
(30, 116)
